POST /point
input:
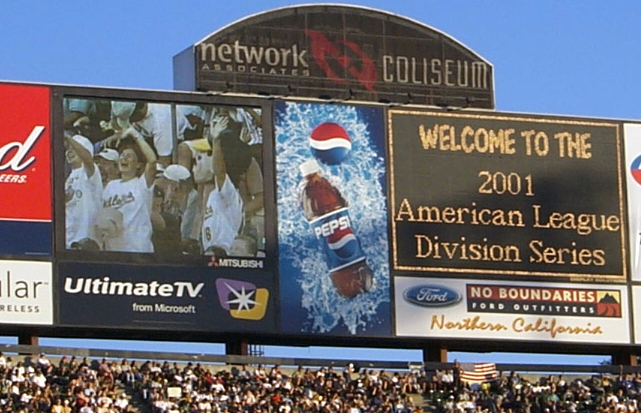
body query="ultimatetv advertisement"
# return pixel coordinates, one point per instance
(121, 296)
(588, 313)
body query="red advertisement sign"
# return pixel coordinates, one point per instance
(25, 155)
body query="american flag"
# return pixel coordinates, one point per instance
(478, 372)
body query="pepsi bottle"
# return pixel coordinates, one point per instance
(327, 212)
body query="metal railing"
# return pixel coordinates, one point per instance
(51, 351)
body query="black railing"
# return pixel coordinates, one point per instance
(51, 351)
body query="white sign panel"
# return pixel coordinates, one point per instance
(632, 141)
(26, 295)
(588, 313)
(636, 310)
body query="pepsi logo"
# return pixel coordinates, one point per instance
(344, 243)
(330, 143)
(635, 169)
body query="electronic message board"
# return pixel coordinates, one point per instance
(505, 195)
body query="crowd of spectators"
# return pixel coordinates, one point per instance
(258, 389)
(513, 393)
(68, 386)
(73, 385)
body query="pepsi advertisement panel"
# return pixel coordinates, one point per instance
(144, 297)
(159, 178)
(332, 219)
(505, 195)
(25, 171)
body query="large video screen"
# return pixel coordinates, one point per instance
(163, 181)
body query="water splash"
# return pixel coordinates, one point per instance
(361, 180)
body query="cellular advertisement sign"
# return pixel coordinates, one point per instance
(26, 292)
(165, 298)
(506, 195)
(332, 219)
(337, 52)
(25, 171)
(163, 182)
(635, 310)
(480, 309)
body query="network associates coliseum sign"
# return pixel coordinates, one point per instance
(338, 52)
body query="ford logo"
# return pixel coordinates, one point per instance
(431, 296)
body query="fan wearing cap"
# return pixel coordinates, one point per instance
(171, 189)
(107, 162)
(183, 196)
(132, 194)
(175, 181)
(83, 190)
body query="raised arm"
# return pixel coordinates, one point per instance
(150, 156)
(85, 156)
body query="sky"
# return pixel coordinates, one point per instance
(559, 57)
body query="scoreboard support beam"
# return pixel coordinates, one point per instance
(625, 358)
(435, 355)
(238, 347)
(27, 340)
